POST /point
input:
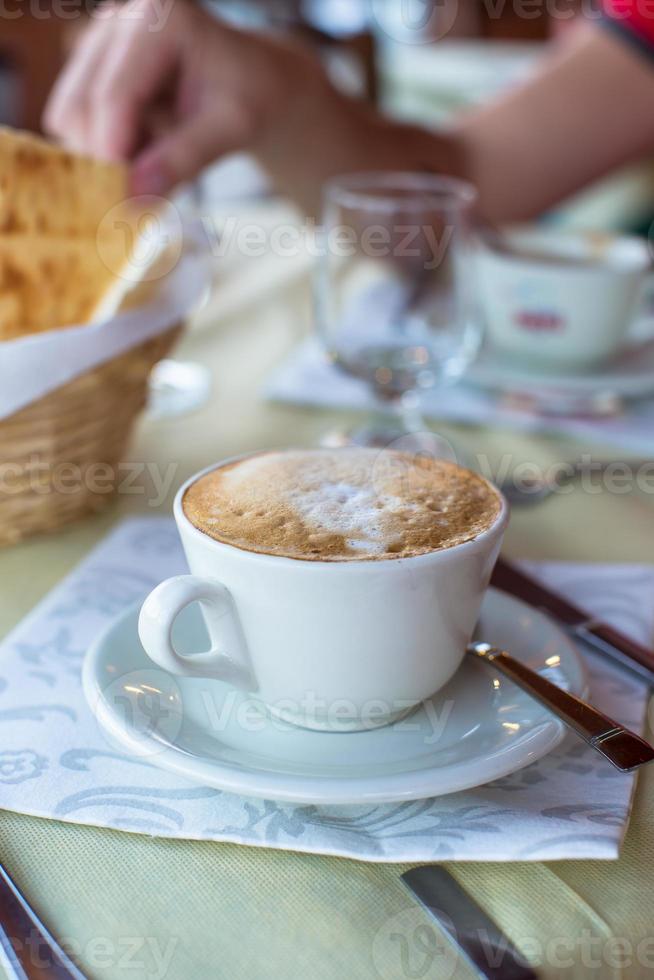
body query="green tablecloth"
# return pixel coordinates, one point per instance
(135, 907)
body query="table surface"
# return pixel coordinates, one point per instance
(135, 907)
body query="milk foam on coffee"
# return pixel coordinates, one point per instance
(341, 505)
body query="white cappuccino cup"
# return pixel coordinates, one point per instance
(328, 645)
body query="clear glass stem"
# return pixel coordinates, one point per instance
(392, 419)
(395, 421)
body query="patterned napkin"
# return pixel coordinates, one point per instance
(307, 378)
(55, 762)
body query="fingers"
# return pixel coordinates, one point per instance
(134, 68)
(124, 62)
(67, 111)
(184, 151)
(133, 73)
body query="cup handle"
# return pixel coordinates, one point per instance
(158, 615)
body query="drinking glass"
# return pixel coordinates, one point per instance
(394, 291)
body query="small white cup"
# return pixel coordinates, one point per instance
(340, 646)
(572, 308)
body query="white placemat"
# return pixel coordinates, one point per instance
(55, 762)
(307, 378)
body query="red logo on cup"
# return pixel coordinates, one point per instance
(542, 321)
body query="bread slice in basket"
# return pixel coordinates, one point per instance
(66, 234)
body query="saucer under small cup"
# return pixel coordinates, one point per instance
(478, 728)
(628, 375)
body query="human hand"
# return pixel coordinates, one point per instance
(172, 95)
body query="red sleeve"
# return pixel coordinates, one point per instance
(635, 17)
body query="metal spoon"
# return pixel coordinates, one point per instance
(535, 490)
(624, 749)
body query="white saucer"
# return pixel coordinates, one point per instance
(215, 736)
(630, 374)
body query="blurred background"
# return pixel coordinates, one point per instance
(422, 60)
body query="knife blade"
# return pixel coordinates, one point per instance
(489, 952)
(603, 638)
(27, 950)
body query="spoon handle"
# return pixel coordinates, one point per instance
(624, 749)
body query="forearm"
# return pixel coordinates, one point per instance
(321, 133)
(588, 110)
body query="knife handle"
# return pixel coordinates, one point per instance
(600, 636)
(624, 749)
(616, 645)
